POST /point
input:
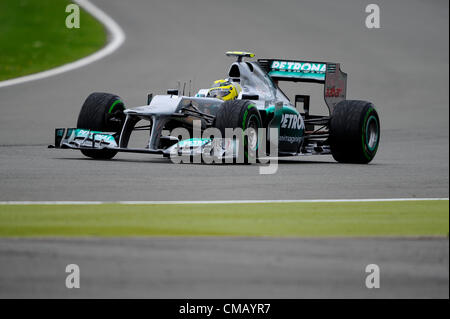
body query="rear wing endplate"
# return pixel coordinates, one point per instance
(327, 73)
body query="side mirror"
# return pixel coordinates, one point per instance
(250, 96)
(149, 98)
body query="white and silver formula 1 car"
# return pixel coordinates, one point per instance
(350, 132)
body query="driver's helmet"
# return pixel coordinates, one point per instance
(224, 90)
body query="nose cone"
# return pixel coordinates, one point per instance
(160, 105)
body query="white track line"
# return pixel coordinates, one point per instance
(116, 34)
(217, 202)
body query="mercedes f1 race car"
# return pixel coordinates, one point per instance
(243, 117)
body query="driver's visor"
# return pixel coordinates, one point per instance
(219, 92)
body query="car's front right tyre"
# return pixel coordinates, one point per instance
(101, 112)
(241, 114)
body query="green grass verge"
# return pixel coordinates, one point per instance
(34, 36)
(418, 218)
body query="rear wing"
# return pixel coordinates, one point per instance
(329, 74)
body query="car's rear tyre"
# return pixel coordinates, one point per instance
(245, 115)
(101, 112)
(354, 132)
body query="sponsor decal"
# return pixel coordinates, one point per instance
(98, 136)
(303, 67)
(291, 121)
(290, 139)
(194, 142)
(333, 92)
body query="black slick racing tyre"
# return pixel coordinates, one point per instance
(101, 112)
(241, 114)
(354, 132)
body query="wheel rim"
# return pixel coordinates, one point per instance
(372, 133)
(252, 133)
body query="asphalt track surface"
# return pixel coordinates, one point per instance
(402, 68)
(224, 268)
